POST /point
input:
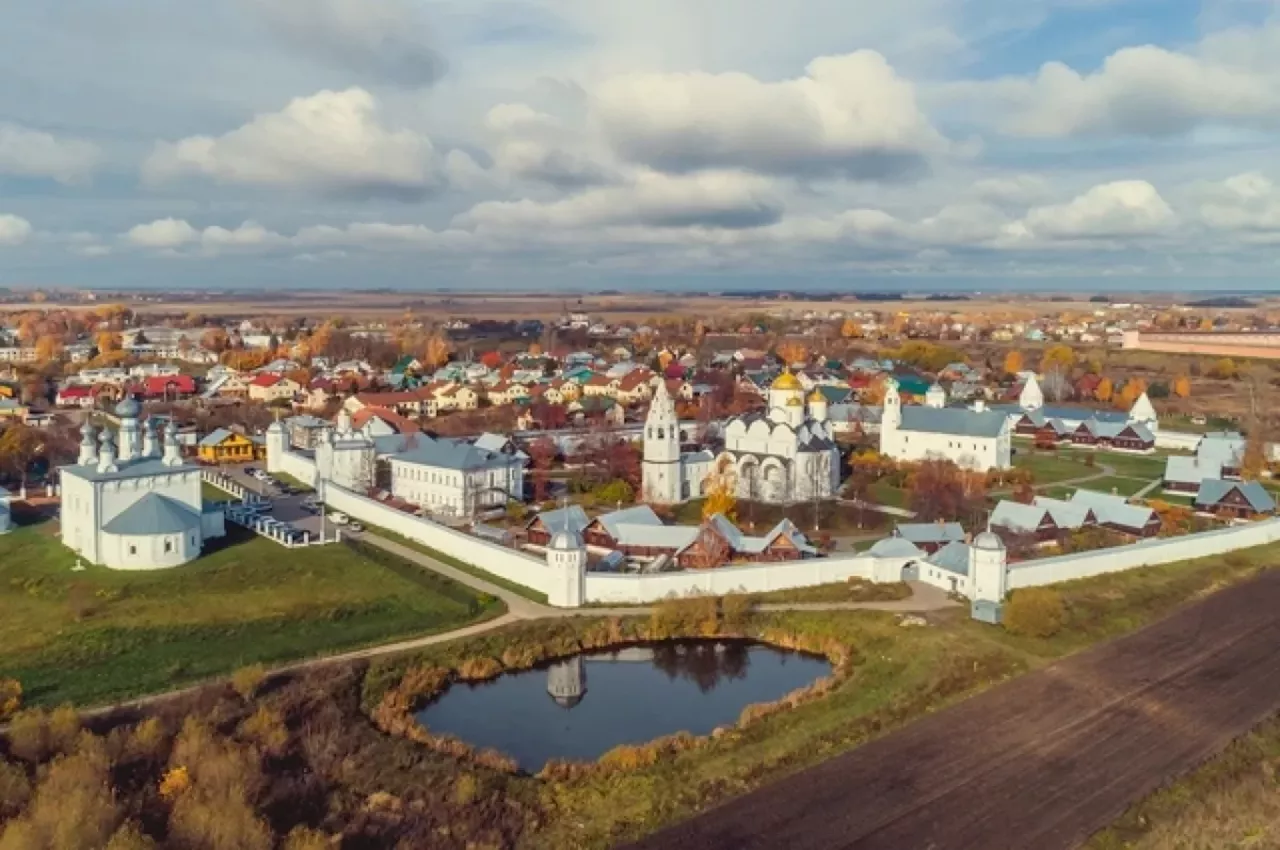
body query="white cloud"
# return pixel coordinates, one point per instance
(1230, 79)
(1248, 204)
(330, 142)
(30, 153)
(849, 115)
(384, 40)
(535, 146)
(1123, 208)
(14, 230)
(162, 233)
(1012, 190)
(714, 199)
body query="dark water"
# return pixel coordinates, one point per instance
(581, 707)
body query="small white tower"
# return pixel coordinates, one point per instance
(88, 445)
(785, 394)
(344, 424)
(107, 453)
(1031, 397)
(818, 407)
(1143, 411)
(988, 576)
(936, 396)
(150, 445)
(172, 452)
(567, 562)
(277, 446)
(892, 418)
(662, 475)
(128, 410)
(567, 682)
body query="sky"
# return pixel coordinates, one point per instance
(695, 145)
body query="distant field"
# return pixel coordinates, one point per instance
(99, 634)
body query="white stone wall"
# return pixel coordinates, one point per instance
(150, 552)
(755, 578)
(300, 467)
(1177, 441)
(1145, 554)
(499, 560)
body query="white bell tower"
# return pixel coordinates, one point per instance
(277, 445)
(567, 562)
(988, 576)
(662, 475)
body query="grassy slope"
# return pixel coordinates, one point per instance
(100, 635)
(1231, 802)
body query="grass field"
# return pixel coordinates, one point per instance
(1122, 486)
(884, 493)
(1050, 469)
(1230, 802)
(99, 635)
(212, 493)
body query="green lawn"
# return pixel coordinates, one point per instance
(99, 635)
(1122, 486)
(1050, 469)
(213, 493)
(884, 493)
(1149, 467)
(286, 478)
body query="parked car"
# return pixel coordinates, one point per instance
(339, 518)
(356, 527)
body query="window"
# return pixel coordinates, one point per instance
(168, 546)
(133, 550)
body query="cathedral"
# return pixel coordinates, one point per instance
(783, 455)
(131, 502)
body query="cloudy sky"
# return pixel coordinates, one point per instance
(697, 144)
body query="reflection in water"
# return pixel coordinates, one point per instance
(627, 696)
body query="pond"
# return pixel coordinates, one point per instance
(581, 707)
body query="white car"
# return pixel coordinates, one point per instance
(339, 518)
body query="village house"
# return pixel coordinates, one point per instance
(1236, 499)
(226, 446)
(269, 387)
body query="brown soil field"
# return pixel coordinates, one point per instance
(1041, 762)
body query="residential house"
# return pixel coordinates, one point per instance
(269, 387)
(1239, 499)
(226, 446)
(929, 537)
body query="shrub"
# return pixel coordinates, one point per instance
(265, 727)
(175, 783)
(465, 789)
(64, 729)
(1035, 612)
(15, 789)
(479, 669)
(29, 735)
(302, 838)
(10, 698)
(246, 680)
(130, 837)
(735, 609)
(1236, 560)
(148, 740)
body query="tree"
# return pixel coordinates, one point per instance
(936, 491)
(791, 352)
(1254, 460)
(1182, 386)
(1058, 357)
(10, 698)
(48, 348)
(437, 351)
(1013, 363)
(850, 329)
(875, 391)
(1055, 384)
(1104, 390)
(19, 446)
(107, 342)
(721, 492)
(1133, 388)
(615, 492)
(1225, 369)
(542, 453)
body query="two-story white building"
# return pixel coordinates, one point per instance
(973, 438)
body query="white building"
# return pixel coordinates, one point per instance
(454, 477)
(5, 518)
(784, 455)
(972, 438)
(134, 505)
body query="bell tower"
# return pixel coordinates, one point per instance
(661, 469)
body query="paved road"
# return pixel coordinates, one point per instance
(1041, 762)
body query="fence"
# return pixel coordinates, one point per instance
(1147, 553)
(300, 467)
(230, 485)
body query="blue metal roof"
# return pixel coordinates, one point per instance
(955, 421)
(153, 514)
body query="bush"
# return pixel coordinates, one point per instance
(246, 680)
(265, 727)
(1236, 560)
(15, 789)
(29, 735)
(1035, 612)
(130, 837)
(10, 698)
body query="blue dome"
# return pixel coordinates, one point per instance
(128, 408)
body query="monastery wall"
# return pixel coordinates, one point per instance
(1165, 550)
(499, 560)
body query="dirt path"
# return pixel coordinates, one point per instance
(1041, 762)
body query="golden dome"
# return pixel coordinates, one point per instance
(817, 397)
(786, 381)
(795, 401)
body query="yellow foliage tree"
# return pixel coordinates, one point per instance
(792, 351)
(535, 349)
(175, 783)
(874, 393)
(1182, 386)
(10, 697)
(721, 493)
(664, 359)
(48, 348)
(1060, 357)
(850, 329)
(1104, 390)
(1013, 363)
(107, 342)
(437, 352)
(1225, 368)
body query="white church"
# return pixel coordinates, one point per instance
(973, 438)
(130, 502)
(786, 454)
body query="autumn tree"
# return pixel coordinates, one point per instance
(542, 453)
(1254, 459)
(792, 351)
(10, 698)
(19, 446)
(875, 391)
(1013, 363)
(107, 342)
(1133, 388)
(1104, 390)
(721, 492)
(437, 351)
(850, 329)
(1224, 368)
(48, 348)
(1182, 386)
(1059, 357)
(936, 491)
